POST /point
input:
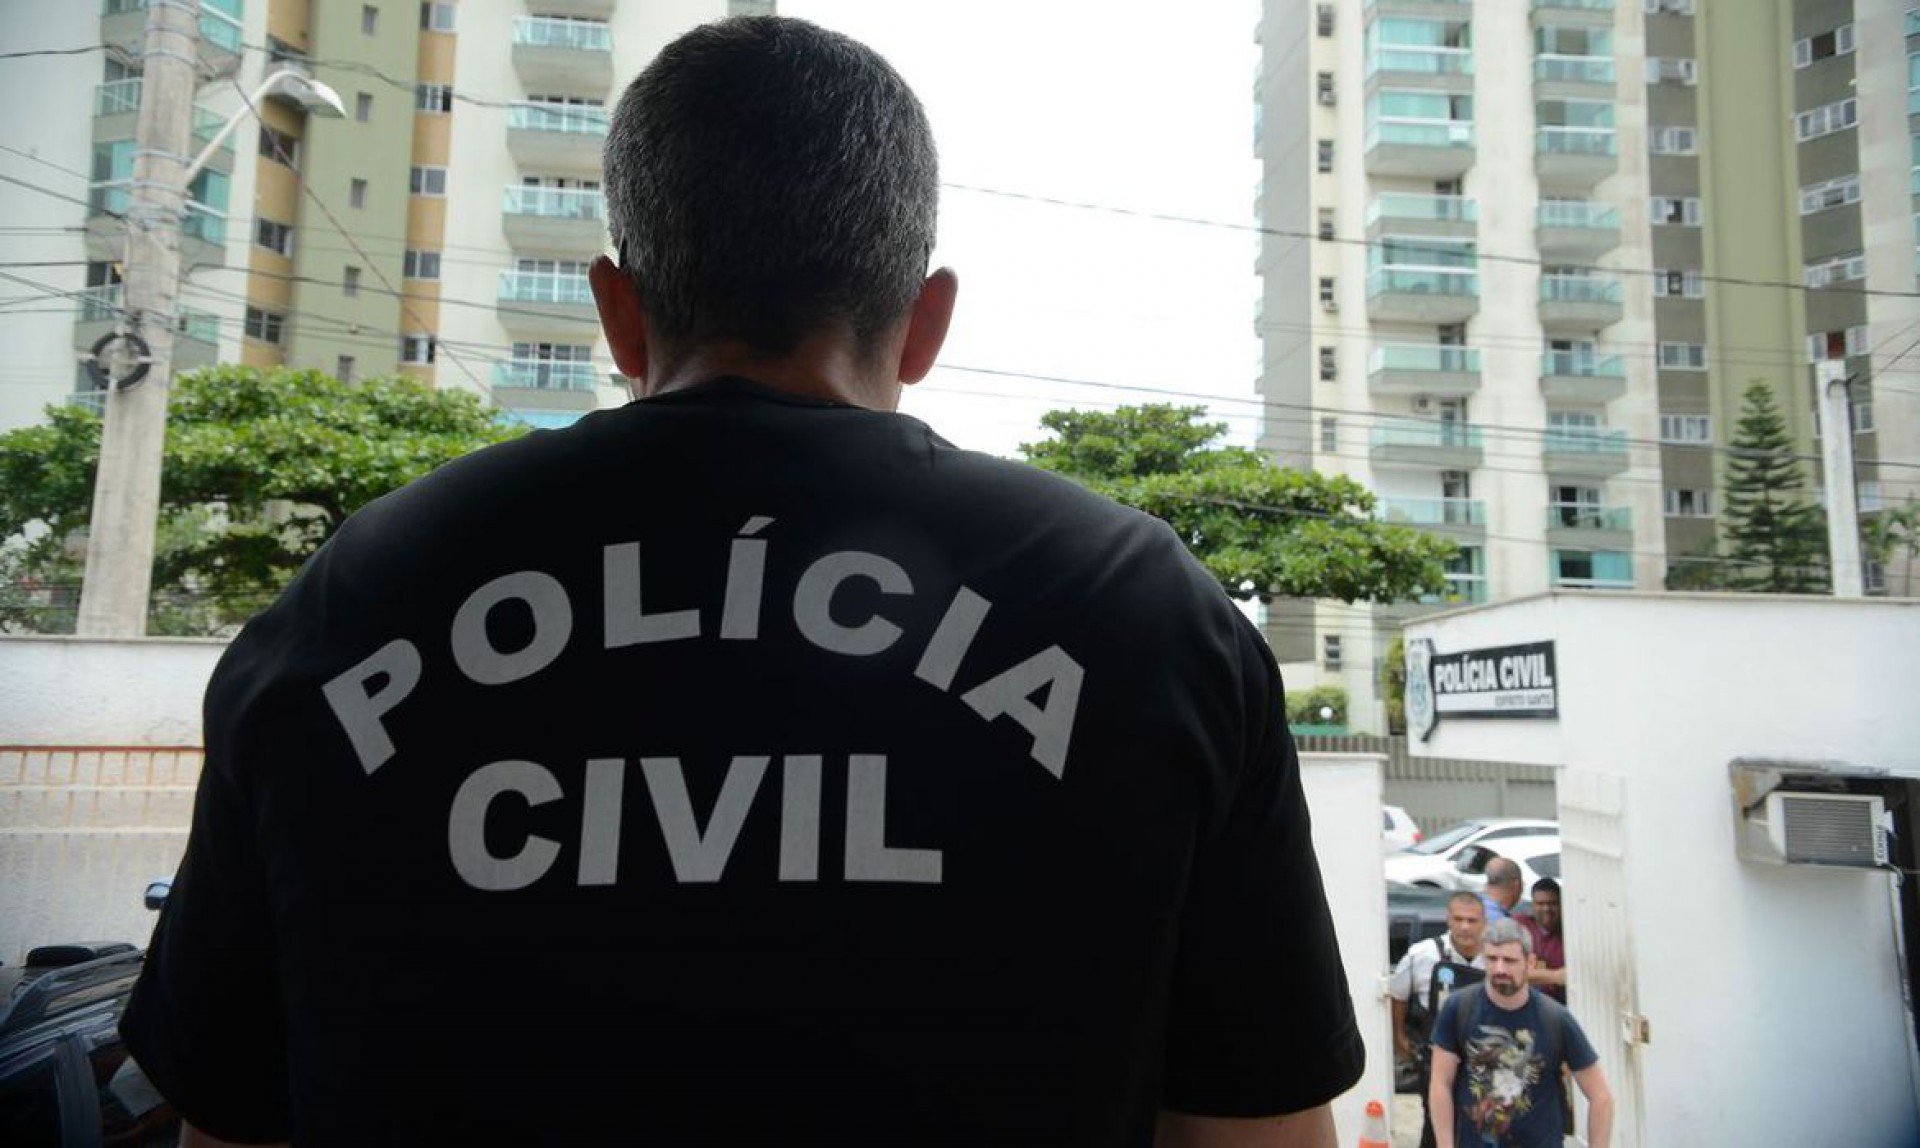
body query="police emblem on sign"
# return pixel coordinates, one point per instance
(1421, 712)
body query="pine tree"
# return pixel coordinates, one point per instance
(1776, 536)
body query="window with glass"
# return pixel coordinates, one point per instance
(1826, 119)
(1423, 47)
(427, 181)
(417, 350)
(280, 147)
(1829, 193)
(1686, 428)
(1823, 46)
(1674, 139)
(1591, 568)
(265, 326)
(418, 264)
(436, 17)
(433, 98)
(273, 235)
(1688, 502)
(1683, 356)
(1837, 269)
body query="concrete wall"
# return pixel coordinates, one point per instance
(1772, 994)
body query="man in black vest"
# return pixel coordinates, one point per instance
(748, 764)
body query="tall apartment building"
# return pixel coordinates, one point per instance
(1523, 258)
(441, 229)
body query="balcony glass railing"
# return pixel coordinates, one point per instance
(1421, 61)
(114, 197)
(1557, 140)
(1445, 435)
(1425, 357)
(577, 119)
(1423, 208)
(1406, 281)
(1575, 5)
(1432, 511)
(555, 32)
(98, 303)
(1462, 590)
(1584, 216)
(1583, 516)
(203, 224)
(200, 326)
(1587, 440)
(218, 28)
(554, 203)
(1450, 133)
(1593, 569)
(546, 375)
(1582, 365)
(122, 97)
(1579, 289)
(1573, 69)
(551, 287)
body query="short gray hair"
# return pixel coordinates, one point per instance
(767, 178)
(1507, 931)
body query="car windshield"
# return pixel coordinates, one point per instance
(1445, 841)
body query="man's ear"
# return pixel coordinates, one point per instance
(620, 317)
(927, 324)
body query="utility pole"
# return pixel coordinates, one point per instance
(1836, 455)
(126, 491)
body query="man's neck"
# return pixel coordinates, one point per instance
(1517, 1000)
(829, 366)
(1467, 951)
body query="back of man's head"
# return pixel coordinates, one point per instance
(765, 179)
(1503, 874)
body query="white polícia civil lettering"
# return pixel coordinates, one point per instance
(473, 649)
(359, 709)
(467, 827)
(746, 571)
(813, 602)
(699, 855)
(626, 622)
(1010, 694)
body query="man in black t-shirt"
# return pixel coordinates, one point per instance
(749, 765)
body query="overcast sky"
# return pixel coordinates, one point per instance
(1148, 108)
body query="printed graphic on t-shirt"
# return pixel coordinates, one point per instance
(1502, 1068)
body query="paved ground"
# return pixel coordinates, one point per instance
(1406, 1121)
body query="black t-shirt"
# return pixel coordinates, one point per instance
(734, 768)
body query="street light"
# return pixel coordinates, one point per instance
(313, 97)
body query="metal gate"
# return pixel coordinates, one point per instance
(1601, 987)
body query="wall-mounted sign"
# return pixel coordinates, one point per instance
(1497, 682)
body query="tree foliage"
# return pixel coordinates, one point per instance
(1263, 531)
(260, 468)
(1895, 531)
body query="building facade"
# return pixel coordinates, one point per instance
(1520, 261)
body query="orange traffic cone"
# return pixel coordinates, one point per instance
(1373, 1131)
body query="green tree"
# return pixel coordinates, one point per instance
(1776, 536)
(1263, 531)
(260, 468)
(1895, 530)
(1393, 683)
(1321, 705)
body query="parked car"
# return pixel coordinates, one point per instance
(1538, 856)
(1397, 830)
(1431, 861)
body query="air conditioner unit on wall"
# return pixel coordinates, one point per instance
(1781, 820)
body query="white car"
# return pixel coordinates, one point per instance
(1430, 862)
(1397, 830)
(1538, 856)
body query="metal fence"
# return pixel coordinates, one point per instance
(1438, 791)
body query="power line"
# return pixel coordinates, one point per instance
(59, 167)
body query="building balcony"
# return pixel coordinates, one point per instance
(1443, 445)
(557, 137)
(1578, 232)
(554, 219)
(539, 302)
(203, 231)
(196, 338)
(1462, 590)
(1575, 77)
(1422, 150)
(589, 9)
(1575, 157)
(123, 27)
(116, 116)
(542, 384)
(1406, 369)
(1426, 67)
(1408, 295)
(1573, 378)
(1586, 13)
(1580, 526)
(563, 56)
(1590, 569)
(1579, 303)
(1584, 453)
(1403, 213)
(1464, 518)
(1424, 9)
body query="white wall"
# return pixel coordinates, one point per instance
(102, 692)
(1343, 795)
(1772, 994)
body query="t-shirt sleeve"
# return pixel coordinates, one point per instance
(1400, 985)
(1260, 1019)
(205, 1020)
(1580, 1052)
(1446, 1027)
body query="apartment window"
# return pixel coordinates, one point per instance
(427, 181)
(1668, 7)
(1324, 88)
(266, 326)
(1839, 269)
(1829, 193)
(279, 51)
(280, 147)
(343, 368)
(1323, 19)
(417, 350)
(1678, 284)
(1326, 223)
(1329, 364)
(1826, 119)
(1330, 651)
(1871, 498)
(1873, 575)
(357, 193)
(1824, 46)
(1863, 417)
(1689, 503)
(1674, 140)
(421, 265)
(1329, 434)
(1676, 211)
(1327, 298)
(1683, 356)
(433, 98)
(274, 236)
(1671, 70)
(1823, 346)
(369, 20)
(1324, 156)
(363, 106)
(436, 17)
(1689, 429)
(350, 281)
